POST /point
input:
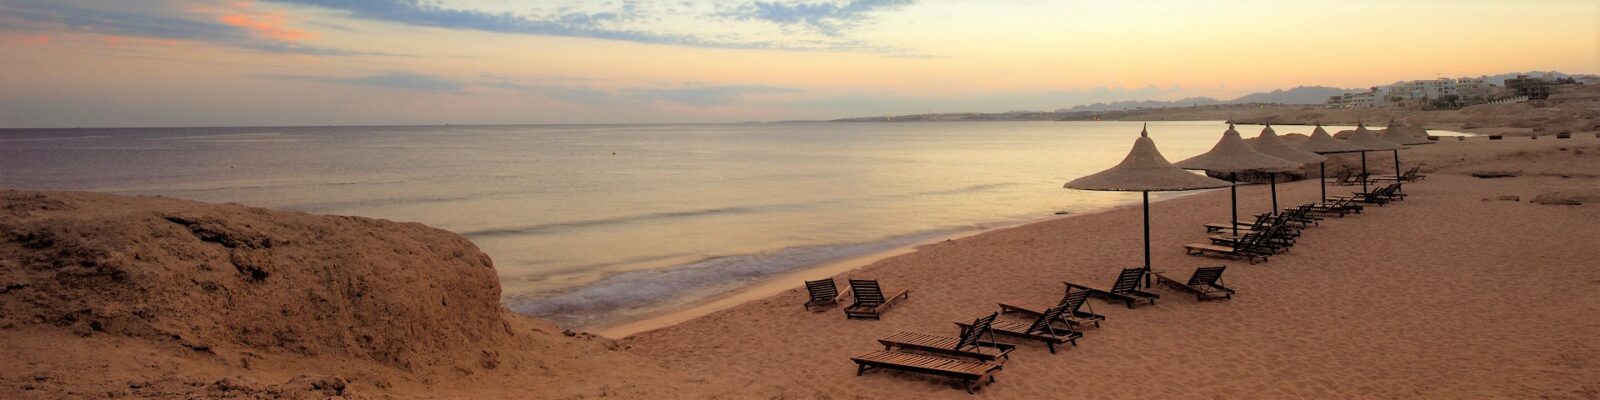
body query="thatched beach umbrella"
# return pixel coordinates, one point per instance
(1231, 155)
(1268, 143)
(1364, 139)
(1401, 134)
(1323, 143)
(1144, 170)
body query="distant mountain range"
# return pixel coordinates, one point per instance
(1298, 95)
(1301, 95)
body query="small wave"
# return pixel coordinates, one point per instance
(688, 282)
(964, 190)
(53, 139)
(560, 226)
(545, 228)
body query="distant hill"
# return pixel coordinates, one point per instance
(1298, 95)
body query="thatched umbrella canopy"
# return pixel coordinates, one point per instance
(1268, 143)
(1364, 139)
(1402, 134)
(1321, 142)
(1144, 170)
(1232, 155)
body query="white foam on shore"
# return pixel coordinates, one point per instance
(626, 294)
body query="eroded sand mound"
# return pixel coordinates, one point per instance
(230, 279)
(105, 296)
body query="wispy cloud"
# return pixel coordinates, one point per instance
(156, 21)
(394, 80)
(704, 96)
(563, 89)
(574, 24)
(827, 18)
(628, 21)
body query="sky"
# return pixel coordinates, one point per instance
(94, 63)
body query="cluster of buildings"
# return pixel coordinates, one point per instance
(1450, 92)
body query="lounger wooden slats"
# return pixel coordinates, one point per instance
(1042, 329)
(972, 374)
(1205, 284)
(1335, 204)
(1074, 300)
(1253, 242)
(1302, 215)
(823, 293)
(869, 299)
(1125, 289)
(969, 344)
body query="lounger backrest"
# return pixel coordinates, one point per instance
(1128, 280)
(1262, 222)
(866, 292)
(1074, 299)
(971, 334)
(1042, 325)
(822, 290)
(1206, 276)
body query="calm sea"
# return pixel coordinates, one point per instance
(593, 224)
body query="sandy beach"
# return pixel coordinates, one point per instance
(1471, 288)
(1445, 295)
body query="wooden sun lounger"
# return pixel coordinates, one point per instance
(1074, 300)
(1249, 245)
(969, 344)
(869, 299)
(1334, 204)
(1410, 175)
(1042, 329)
(1205, 284)
(1338, 178)
(823, 293)
(972, 374)
(1273, 243)
(1125, 289)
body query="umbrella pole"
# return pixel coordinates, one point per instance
(1274, 193)
(1363, 172)
(1397, 180)
(1147, 240)
(1322, 175)
(1233, 193)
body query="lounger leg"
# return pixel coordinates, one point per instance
(860, 369)
(1052, 347)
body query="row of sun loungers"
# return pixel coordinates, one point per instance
(975, 354)
(1272, 234)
